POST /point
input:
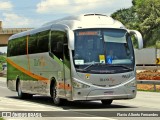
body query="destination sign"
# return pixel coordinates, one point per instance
(88, 33)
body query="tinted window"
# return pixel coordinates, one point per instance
(38, 42)
(43, 41)
(103, 51)
(32, 44)
(17, 46)
(57, 39)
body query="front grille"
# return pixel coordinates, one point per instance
(100, 85)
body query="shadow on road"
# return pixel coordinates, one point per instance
(75, 104)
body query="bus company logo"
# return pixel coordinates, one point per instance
(6, 114)
(88, 76)
(126, 76)
(40, 62)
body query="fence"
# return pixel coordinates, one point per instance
(151, 82)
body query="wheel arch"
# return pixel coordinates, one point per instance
(17, 81)
(52, 83)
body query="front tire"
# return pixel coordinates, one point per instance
(107, 102)
(57, 101)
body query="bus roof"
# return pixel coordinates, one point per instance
(88, 21)
(77, 22)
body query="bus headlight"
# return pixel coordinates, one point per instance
(131, 84)
(79, 85)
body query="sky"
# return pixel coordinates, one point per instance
(34, 13)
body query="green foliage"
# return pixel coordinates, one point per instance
(143, 16)
(149, 15)
(158, 44)
(2, 60)
(128, 17)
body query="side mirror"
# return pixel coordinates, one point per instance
(138, 36)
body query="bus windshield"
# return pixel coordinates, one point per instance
(103, 51)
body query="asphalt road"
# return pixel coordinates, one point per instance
(144, 102)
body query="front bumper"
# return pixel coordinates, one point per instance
(101, 94)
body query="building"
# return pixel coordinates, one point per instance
(5, 33)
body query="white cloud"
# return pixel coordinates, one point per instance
(6, 5)
(49, 5)
(14, 20)
(79, 6)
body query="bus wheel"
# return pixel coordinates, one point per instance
(22, 95)
(106, 102)
(57, 101)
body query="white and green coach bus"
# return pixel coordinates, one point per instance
(85, 57)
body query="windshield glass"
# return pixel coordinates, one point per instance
(103, 51)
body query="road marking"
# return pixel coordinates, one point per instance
(26, 105)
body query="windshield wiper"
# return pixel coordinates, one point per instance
(85, 69)
(81, 70)
(124, 66)
(92, 65)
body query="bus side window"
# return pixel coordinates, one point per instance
(66, 51)
(17, 46)
(59, 47)
(32, 44)
(57, 40)
(42, 43)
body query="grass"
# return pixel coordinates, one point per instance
(148, 90)
(1, 118)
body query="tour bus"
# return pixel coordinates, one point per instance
(78, 58)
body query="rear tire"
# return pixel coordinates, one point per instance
(22, 95)
(107, 102)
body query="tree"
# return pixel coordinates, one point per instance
(128, 17)
(143, 16)
(148, 12)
